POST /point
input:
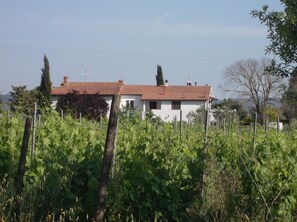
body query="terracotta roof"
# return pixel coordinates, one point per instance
(102, 88)
(147, 92)
(177, 93)
(150, 92)
(133, 89)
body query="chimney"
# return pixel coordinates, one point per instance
(65, 81)
(166, 82)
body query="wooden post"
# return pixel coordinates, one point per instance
(175, 124)
(8, 115)
(39, 119)
(224, 126)
(229, 125)
(204, 152)
(277, 124)
(34, 129)
(18, 183)
(107, 158)
(101, 120)
(206, 128)
(180, 125)
(266, 125)
(255, 131)
(115, 149)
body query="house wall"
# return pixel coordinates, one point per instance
(136, 99)
(108, 99)
(165, 112)
(168, 115)
(54, 101)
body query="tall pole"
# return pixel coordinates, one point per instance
(107, 157)
(204, 151)
(18, 182)
(180, 125)
(255, 131)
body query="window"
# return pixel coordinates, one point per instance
(130, 104)
(175, 105)
(153, 105)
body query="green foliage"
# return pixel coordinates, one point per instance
(228, 106)
(45, 87)
(156, 175)
(198, 116)
(282, 32)
(271, 113)
(293, 124)
(90, 106)
(23, 100)
(289, 99)
(159, 76)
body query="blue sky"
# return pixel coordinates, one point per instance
(112, 40)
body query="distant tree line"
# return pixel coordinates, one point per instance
(23, 99)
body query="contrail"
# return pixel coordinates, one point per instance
(162, 17)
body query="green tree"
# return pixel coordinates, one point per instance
(45, 84)
(159, 76)
(23, 99)
(282, 32)
(271, 113)
(90, 106)
(289, 99)
(229, 106)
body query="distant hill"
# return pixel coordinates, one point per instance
(5, 99)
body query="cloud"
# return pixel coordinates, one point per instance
(164, 16)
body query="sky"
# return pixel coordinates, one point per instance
(94, 40)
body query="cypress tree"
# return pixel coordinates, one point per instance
(45, 84)
(159, 76)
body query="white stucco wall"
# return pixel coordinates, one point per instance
(54, 101)
(108, 99)
(167, 114)
(136, 99)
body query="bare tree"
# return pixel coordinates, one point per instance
(250, 79)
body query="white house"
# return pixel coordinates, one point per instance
(165, 101)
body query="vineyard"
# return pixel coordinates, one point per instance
(160, 171)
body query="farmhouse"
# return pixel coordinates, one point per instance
(166, 101)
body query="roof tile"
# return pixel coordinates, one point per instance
(101, 88)
(147, 92)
